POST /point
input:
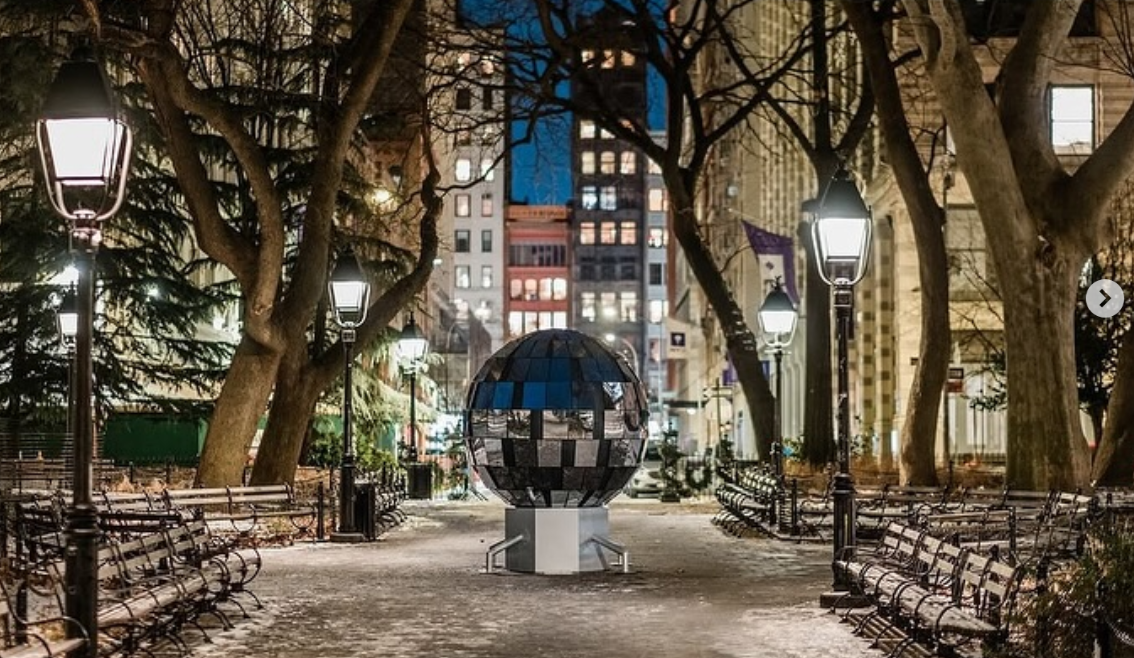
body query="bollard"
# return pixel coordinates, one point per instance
(130, 472)
(319, 502)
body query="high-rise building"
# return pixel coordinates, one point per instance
(470, 270)
(609, 224)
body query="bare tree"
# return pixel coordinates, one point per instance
(231, 84)
(1041, 220)
(918, 464)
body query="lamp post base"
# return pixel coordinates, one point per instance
(347, 537)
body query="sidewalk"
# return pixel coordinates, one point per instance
(694, 593)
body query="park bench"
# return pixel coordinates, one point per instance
(243, 507)
(903, 503)
(1059, 532)
(977, 530)
(751, 502)
(21, 641)
(933, 592)
(154, 584)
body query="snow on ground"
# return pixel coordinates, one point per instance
(421, 591)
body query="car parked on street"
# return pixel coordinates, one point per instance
(647, 479)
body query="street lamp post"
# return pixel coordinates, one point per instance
(778, 317)
(85, 153)
(350, 297)
(841, 235)
(412, 348)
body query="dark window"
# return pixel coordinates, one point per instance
(464, 99)
(655, 274)
(486, 98)
(486, 241)
(587, 272)
(628, 271)
(461, 242)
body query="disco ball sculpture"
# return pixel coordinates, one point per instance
(556, 419)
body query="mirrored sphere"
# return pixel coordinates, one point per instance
(556, 419)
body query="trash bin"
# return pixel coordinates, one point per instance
(365, 509)
(420, 484)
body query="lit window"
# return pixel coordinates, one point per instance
(485, 276)
(545, 288)
(652, 167)
(486, 241)
(586, 129)
(608, 198)
(1073, 119)
(605, 134)
(590, 197)
(516, 323)
(461, 242)
(487, 66)
(486, 169)
(463, 137)
(628, 233)
(559, 320)
(587, 306)
(559, 289)
(463, 277)
(464, 59)
(588, 55)
(627, 58)
(486, 205)
(608, 304)
(608, 58)
(587, 233)
(657, 238)
(657, 310)
(657, 200)
(462, 205)
(516, 289)
(629, 163)
(587, 162)
(464, 170)
(608, 233)
(606, 163)
(628, 307)
(531, 290)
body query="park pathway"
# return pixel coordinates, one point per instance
(420, 592)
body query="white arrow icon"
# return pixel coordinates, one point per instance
(1105, 298)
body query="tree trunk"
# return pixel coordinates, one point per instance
(919, 431)
(292, 408)
(1046, 447)
(1114, 457)
(741, 343)
(239, 407)
(918, 463)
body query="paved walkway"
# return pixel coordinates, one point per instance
(694, 593)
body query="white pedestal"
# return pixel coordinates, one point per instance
(556, 540)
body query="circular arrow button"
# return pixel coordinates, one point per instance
(1105, 298)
